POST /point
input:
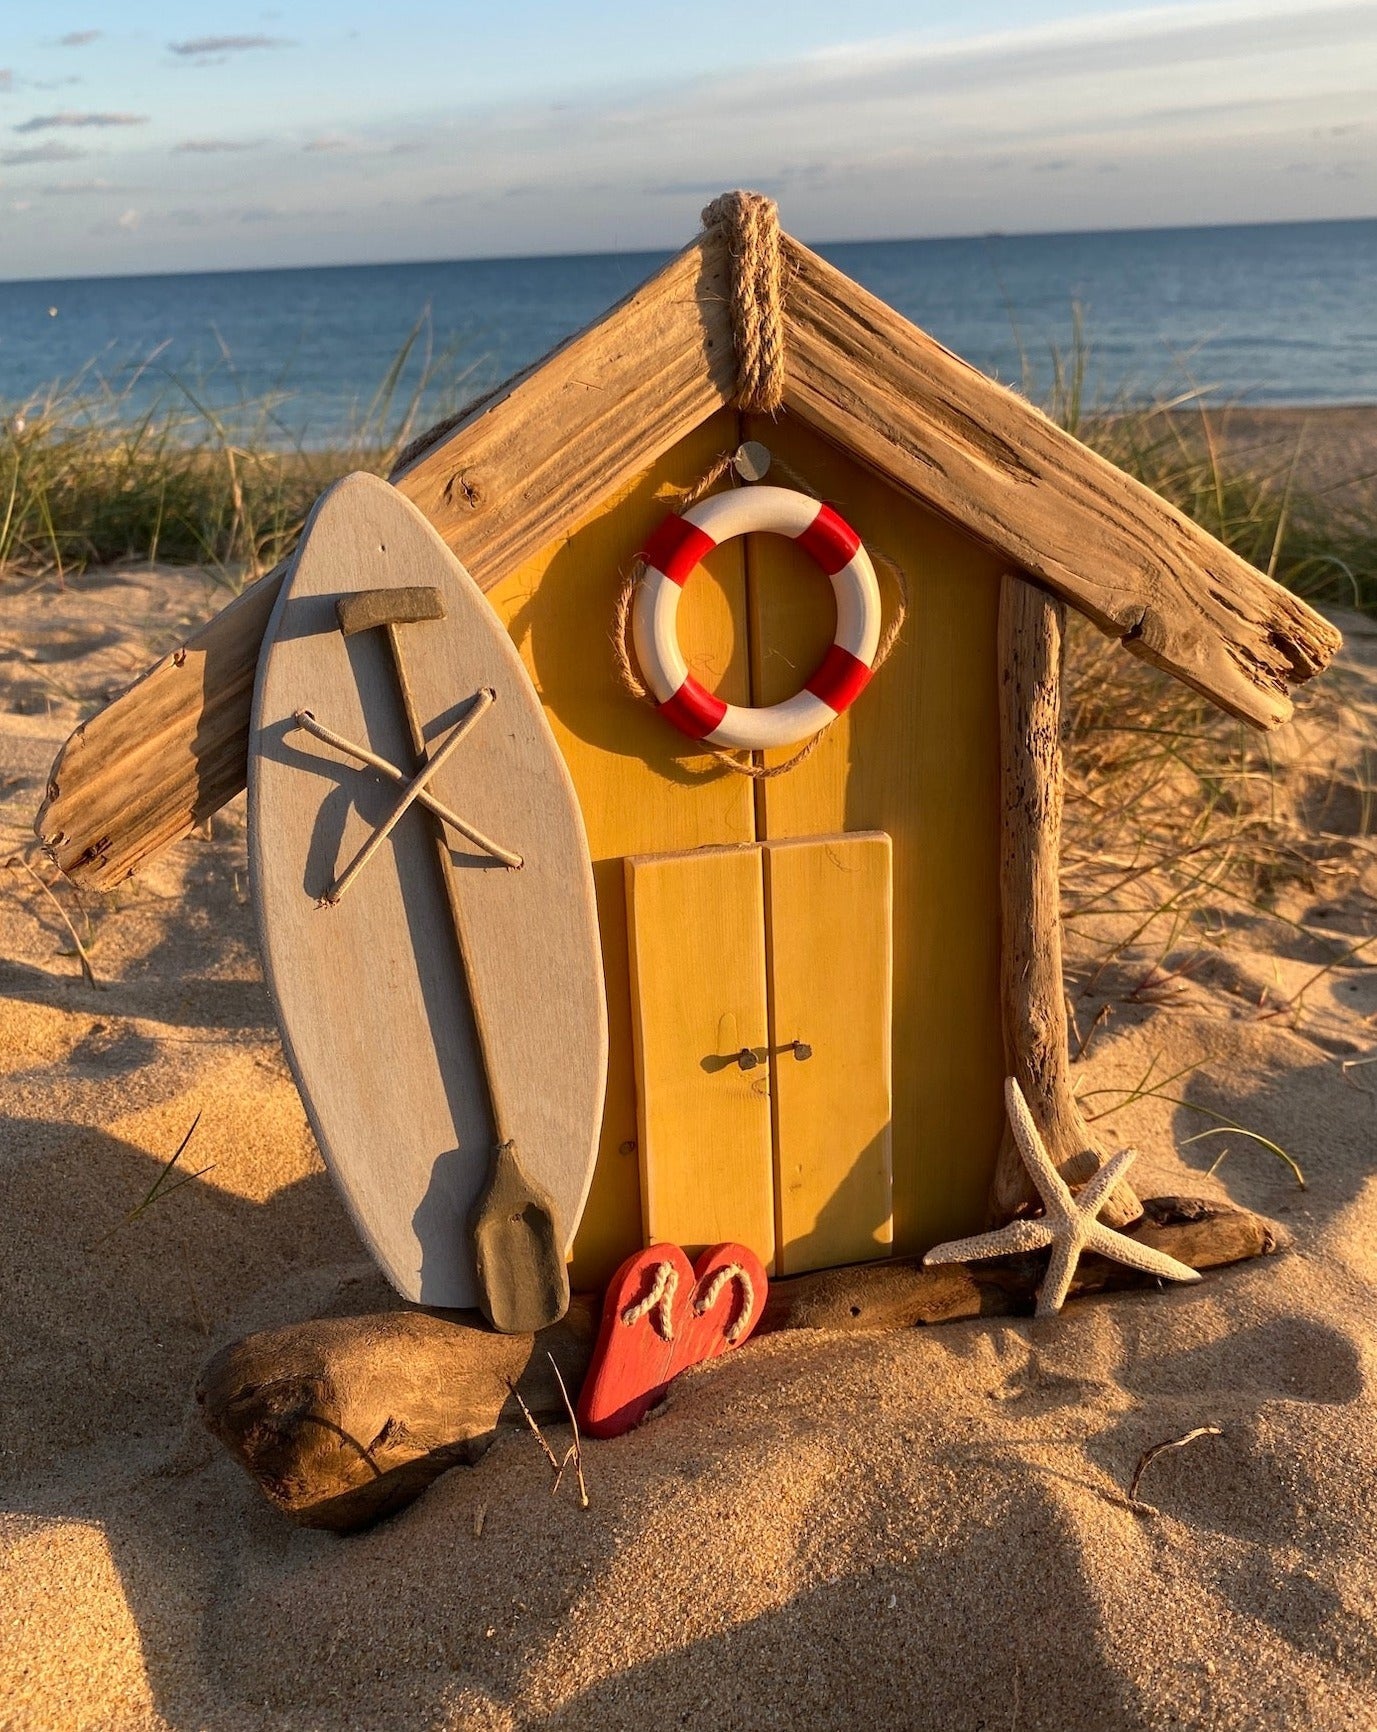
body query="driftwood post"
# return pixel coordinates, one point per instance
(1032, 627)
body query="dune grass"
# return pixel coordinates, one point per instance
(1178, 444)
(91, 473)
(94, 472)
(1182, 828)
(1323, 549)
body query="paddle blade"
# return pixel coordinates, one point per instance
(523, 1280)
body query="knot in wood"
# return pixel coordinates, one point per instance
(464, 490)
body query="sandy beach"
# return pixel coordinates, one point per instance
(921, 1529)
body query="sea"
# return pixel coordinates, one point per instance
(1280, 313)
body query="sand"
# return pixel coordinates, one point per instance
(920, 1529)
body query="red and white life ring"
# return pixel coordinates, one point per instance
(671, 555)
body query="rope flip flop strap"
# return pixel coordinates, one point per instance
(705, 1302)
(659, 1300)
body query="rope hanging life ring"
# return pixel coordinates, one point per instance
(671, 555)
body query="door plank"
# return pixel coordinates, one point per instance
(829, 911)
(696, 928)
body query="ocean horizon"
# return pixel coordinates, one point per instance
(1275, 313)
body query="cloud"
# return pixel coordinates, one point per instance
(6, 78)
(915, 134)
(69, 117)
(128, 220)
(40, 153)
(79, 38)
(1093, 120)
(197, 47)
(215, 146)
(67, 188)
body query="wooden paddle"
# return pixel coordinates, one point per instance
(518, 1246)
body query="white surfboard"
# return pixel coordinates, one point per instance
(371, 993)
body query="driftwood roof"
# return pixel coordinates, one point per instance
(500, 481)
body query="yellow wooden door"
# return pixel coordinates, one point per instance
(761, 990)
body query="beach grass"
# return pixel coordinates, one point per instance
(1182, 826)
(1323, 549)
(1256, 502)
(96, 473)
(93, 473)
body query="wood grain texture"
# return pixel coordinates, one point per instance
(696, 927)
(992, 463)
(511, 474)
(828, 912)
(641, 788)
(917, 757)
(342, 1420)
(163, 755)
(1031, 641)
(373, 994)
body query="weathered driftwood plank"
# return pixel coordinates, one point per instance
(1031, 628)
(164, 755)
(984, 457)
(343, 1420)
(498, 485)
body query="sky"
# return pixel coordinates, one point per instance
(162, 136)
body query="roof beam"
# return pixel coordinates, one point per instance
(987, 459)
(499, 483)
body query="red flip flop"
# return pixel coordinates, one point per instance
(660, 1315)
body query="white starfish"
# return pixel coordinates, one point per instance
(1069, 1224)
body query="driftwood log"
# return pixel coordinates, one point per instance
(343, 1420)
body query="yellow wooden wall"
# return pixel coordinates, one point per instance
(918, 757)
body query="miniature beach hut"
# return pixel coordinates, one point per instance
(817, 979)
